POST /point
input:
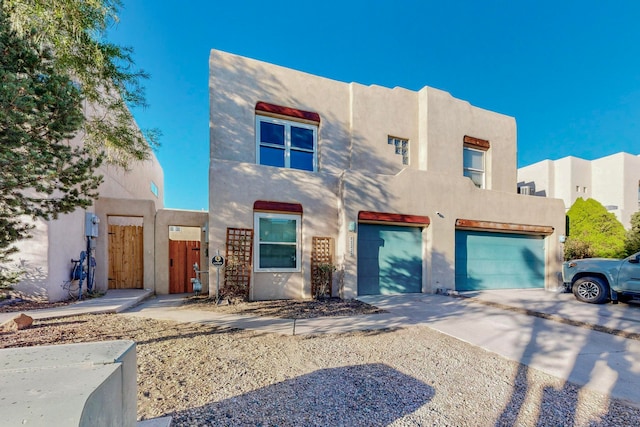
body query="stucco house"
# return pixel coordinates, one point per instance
(612, 180)
(402, 191)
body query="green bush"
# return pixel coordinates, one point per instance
(577, 249)
(593, 229)
(632, 238)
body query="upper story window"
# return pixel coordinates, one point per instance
(154, 189)
(474, 159)
(286, 137)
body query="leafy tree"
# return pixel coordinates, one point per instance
(632, 240)
(41, 173)
(594, 231)
(75, 31)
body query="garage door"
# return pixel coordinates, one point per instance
(389, 259)
(498, 261)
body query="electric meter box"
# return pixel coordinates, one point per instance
(91, 222)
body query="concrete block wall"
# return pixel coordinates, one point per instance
(87, 384)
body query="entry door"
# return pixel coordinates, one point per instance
(182, 255)
(487, 260)
(389, 259)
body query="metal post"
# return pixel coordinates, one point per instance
(217, 280)
(217, 261)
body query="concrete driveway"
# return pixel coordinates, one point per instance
(545, 330)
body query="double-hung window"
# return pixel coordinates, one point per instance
(474, 160)
(277, 246)
(286, 144)
(474, 166)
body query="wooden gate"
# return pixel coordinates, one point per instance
(126, 254)
(182, 255)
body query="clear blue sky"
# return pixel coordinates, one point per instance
(568, 71)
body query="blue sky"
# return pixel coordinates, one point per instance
(568, 71)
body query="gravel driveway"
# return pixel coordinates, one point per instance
(203, 375)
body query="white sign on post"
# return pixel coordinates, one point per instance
(217, 261)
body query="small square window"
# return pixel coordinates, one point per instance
(154, 189)
(277, 246)
(401, 147)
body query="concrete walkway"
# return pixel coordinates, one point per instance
(115, 301)
(597, 346)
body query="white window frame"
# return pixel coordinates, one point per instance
(287, 140)
(483, 171)
(256, 241)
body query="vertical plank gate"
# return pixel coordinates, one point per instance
(126, 254)
(182, 255)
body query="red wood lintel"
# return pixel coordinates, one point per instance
(366, 216)
(268, 206)
(477, 142)
(504, 227)
(288, 111)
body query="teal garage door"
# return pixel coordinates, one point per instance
(498, 261)
(389, 259)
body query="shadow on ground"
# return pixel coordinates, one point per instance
(370, 394)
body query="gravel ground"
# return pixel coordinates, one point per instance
(286, 309)
(203, 375)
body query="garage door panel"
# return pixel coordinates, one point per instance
(487, 260)
(389, 259)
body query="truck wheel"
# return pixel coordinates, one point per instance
(591, 289)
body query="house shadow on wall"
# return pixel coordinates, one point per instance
(370, 394)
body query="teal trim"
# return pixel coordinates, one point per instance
(487, 260)
(389, 259)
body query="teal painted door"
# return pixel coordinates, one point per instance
(498, 261)
(389, 259)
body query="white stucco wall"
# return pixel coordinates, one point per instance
(612, 180)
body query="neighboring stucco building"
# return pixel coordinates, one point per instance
(133, 246)
(408, 191)
(614, 181)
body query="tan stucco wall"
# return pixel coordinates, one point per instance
(237, 186)
(448, 120)
(144, 209)
(134, 183)
(359, 170)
